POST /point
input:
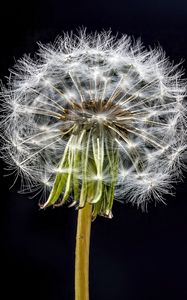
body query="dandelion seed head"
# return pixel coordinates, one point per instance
(96, 118)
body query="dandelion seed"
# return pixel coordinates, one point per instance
(96, 119)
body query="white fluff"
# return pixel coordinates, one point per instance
(97, 67)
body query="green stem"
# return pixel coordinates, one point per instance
(82, 252)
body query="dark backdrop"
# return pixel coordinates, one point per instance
(134, 256)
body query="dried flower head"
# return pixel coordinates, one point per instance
(93, 118)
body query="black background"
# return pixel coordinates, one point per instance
(134, 256)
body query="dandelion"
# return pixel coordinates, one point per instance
(91, 119)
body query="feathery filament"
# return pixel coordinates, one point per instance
(95, 119)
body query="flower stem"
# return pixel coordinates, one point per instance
(82, 252)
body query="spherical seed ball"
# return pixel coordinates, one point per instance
(94, 117)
